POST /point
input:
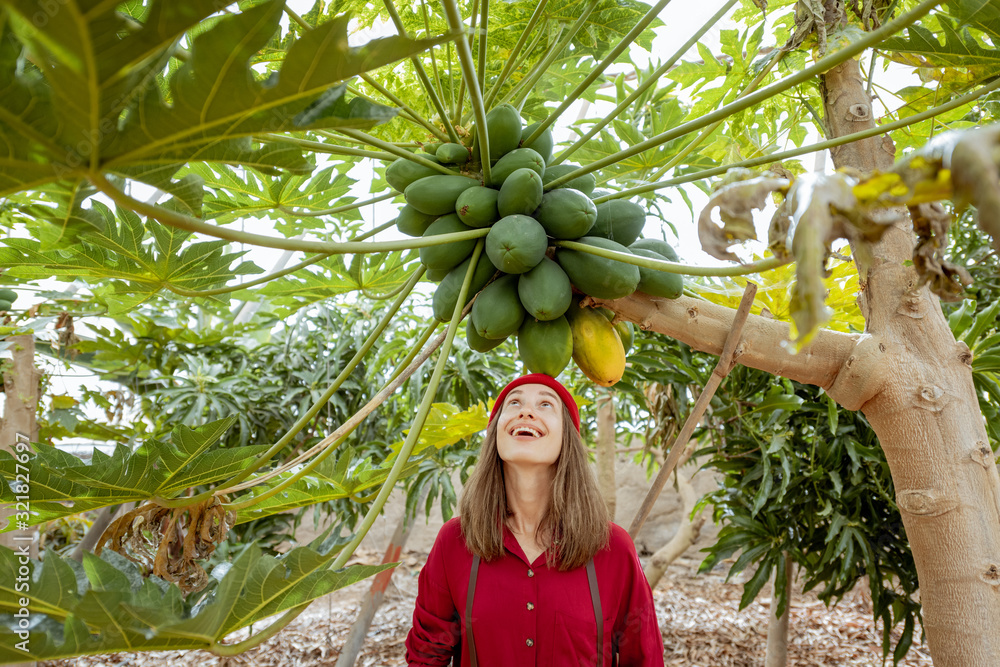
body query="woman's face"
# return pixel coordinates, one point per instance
(530, 426)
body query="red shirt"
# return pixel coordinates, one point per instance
(529, 614)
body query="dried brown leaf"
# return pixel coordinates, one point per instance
(975, 176)
(169, 542)
(736, 203)
(930, 224)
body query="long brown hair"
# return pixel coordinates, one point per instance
(575, 523)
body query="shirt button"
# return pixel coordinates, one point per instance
(529, 642)
(531, 605)
(531, 573)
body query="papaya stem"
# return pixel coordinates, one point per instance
(623, 44)
(252, 283)
(641, 88)
(260, 637)
(824, 64)
(418, 421)
(395, 150)
(373, 82)
(673, 267)
(483, 26)
(521, 91)
(418, 69)
(332, 149)
(773, 60)
(188, 223)
(233, 484)
(512, 59)
(469, 74)
(461, 81)
(434, 66)
(803, 150)
(552, 55)
(339, 209)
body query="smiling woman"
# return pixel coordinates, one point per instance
(533, 572)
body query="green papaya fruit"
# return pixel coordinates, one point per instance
(503, 127)
(477, 342)
(516, 244)
(8, 295)
(542, 145)
(446, 294)
(521, 158)
(412, 222)
(497, 312)
(659, 246)
(402, 172)
(452, 154)
(436, 195)
(432, 147)
(597, 276)
(446, 255)
(619, 220)
(566, 214)
(477, 207)
(436, 275)
(545, 347)
(545, 291)
(4, 305)
(625, 331)
(520, 194)
(584, 184)
(657, 283)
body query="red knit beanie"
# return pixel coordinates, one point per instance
(548, 381)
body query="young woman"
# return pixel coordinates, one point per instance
(533, 572)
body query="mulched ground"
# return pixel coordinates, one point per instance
(698, 617)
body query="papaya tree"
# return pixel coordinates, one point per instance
(142, 139)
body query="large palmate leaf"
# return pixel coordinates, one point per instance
(289, 200)
(62, 485)
(92, 94)
(345, 477)
(139, 258)
(105, 605)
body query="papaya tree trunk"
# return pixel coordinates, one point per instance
(605, 450)
(922, 404)
(913, 382)
(687, 532)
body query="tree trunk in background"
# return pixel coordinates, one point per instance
(605, 450)
(917, 394)
(687, 533)
(777, 626)
(21, 389)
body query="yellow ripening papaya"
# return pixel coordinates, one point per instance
(597, 348)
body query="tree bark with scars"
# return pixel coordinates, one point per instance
(913, 382)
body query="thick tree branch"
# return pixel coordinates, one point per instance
(704, 326)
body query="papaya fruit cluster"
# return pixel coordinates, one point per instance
(525, 284)
(7, 298)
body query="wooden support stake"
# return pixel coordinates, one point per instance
(373, 600)
(722, 369)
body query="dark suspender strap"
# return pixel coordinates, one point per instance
(595, 597)
(473, 575)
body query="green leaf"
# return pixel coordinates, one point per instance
(757, 581)
(99, 98)
(122, 251)
(106, 605)
(62, 485)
